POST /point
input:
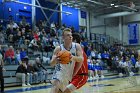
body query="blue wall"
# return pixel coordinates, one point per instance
(1, 10)
(50, 5)
(70, 20)
(17, 11)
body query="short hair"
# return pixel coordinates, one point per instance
(25, 58)
(11, 47)
(66, 30)
(76, 37)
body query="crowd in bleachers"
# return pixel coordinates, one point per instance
(18, 41)
(21, 40)
(31, 72)
(118, 59)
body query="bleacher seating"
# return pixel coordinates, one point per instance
(10, 76)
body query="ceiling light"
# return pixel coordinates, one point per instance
(112, 4)
(116, 6)
(64, 3)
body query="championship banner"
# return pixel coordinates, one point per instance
(133, 38)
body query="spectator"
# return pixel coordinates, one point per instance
(2, 38)
(33, 44)
(17, 58)
(137, 66)
(128, 67)
(22, 73)
(31, 71)
(10, 55)
(23, 53)
(40, 69)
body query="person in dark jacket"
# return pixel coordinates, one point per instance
(22, 72)
(41, 70)
(32, 72)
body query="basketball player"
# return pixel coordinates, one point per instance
(80, 74)
(64, 72)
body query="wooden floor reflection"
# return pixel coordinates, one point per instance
(111, 84)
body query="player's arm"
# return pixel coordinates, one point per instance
(54, 59)
(79, 52)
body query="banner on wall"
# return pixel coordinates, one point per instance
(133, 34)
(83, 14)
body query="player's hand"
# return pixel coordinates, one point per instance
(72, 58)
(58, 60)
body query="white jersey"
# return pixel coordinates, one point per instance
(64, 72)
(137, 64)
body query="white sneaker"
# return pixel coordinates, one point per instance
(24, 85)
(28, 84)
(120, 74)
(102, 77)
(131, 74)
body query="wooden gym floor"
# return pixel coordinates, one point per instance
(110, 84)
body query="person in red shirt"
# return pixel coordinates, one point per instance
(80, 74)
(10, 55)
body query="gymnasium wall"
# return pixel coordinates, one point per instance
(1, 9)
(97, 25)
(70, 19)
(110, 26)
(17, 10)
(52, 16)
(131, 19)
(82, 18)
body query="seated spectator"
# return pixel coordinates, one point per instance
(11, 38)
(137, 66)
(2, 38)
(22, 73)
(33, 44)
(41, 70)
(133, 60)
(33, 74)
(17, 57)
(120, 67)
(10, 55)
(23, 53)
(128, 67)
(55, 42)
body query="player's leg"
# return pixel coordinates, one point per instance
(77, 82)
(54, 89)
(67, 90)
(56, 86)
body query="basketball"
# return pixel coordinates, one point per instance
(64, 56)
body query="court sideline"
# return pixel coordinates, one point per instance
(110, 84)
